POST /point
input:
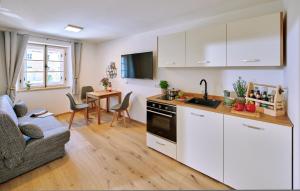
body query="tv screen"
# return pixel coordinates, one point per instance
(139, 65)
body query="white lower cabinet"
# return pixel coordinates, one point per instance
(257, 155)
(200, 141)
(162, 145)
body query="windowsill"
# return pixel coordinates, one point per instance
(44, 89)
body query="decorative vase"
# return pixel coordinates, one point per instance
(105, 88)
(240, 103)
(250, 107)
(109, 88)
(239, 106)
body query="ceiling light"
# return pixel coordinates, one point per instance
(73, 28)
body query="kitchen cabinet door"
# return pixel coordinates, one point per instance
(171, 50)
(255, 42)
(200, 141)
(206, 46)
(257, 155)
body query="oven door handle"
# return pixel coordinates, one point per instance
(170, 116)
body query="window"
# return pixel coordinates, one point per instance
(44, 66)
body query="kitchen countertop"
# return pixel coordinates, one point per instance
(281, 120)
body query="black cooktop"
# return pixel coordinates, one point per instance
(166, 98)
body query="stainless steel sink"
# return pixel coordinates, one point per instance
(204, 102)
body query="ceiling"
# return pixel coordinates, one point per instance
(108, 19)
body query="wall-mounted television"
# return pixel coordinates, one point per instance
(138, 65)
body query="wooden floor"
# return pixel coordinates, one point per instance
(104, 157)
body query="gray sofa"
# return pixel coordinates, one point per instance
(19, 153)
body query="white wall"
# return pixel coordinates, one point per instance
(55, 100)
(292, 74)
(90, 66)
(186, 79)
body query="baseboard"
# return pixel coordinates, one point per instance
(139, 122)
(110, 113)
(136, 121)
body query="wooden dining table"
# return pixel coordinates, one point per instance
(103, 94)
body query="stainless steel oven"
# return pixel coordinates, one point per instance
(161, 120)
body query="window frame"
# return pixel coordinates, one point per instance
(45, 84)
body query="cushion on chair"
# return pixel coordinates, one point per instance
(81, 106)
(20, 109)
(116, 107)
(89, 100)
(31, 130)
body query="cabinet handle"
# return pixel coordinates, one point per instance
(170, 116)
(198, 115)
(160, 143)
(253, 127)
(250, 60)
(203, 62)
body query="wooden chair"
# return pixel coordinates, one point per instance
(121, 108)
(84, 90)
(75, 108)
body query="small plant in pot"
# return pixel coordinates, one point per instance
(240, 88)
(28, 85)
(105, 83)
(164, 86)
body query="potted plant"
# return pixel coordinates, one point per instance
(28, 85)
(240, 88)
(164, 86)
(250, 106)
(105, 83)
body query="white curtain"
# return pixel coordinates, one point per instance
(12, 49)
(76, 65)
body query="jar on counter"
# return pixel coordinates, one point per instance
(265, 96)
(257, 95)
(251, 95)
(271, 98)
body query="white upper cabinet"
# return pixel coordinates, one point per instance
(171, 50)
(206, 46)
(200, 140)
(257, 155)
(256, 41)
(251, 42)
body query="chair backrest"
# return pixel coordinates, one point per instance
(125, 102)
(72, 101)
(84, 90)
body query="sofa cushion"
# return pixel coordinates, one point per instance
(46, 123)
(20, 108)
(31, 130)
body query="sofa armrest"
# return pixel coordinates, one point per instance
(12, 141)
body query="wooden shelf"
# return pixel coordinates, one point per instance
(278, 104)
(260, 101)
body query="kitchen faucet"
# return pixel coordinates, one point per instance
(205, 83)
